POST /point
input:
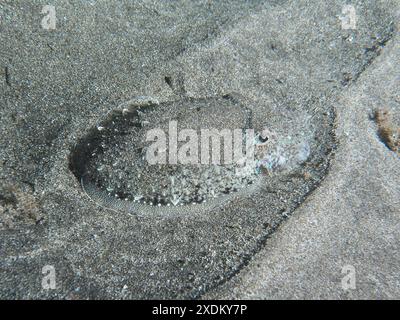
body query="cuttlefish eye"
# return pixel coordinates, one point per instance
(265, 135)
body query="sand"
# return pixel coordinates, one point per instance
(288, 234)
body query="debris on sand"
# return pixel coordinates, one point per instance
(387, 131)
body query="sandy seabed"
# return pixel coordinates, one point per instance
(300, 68)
